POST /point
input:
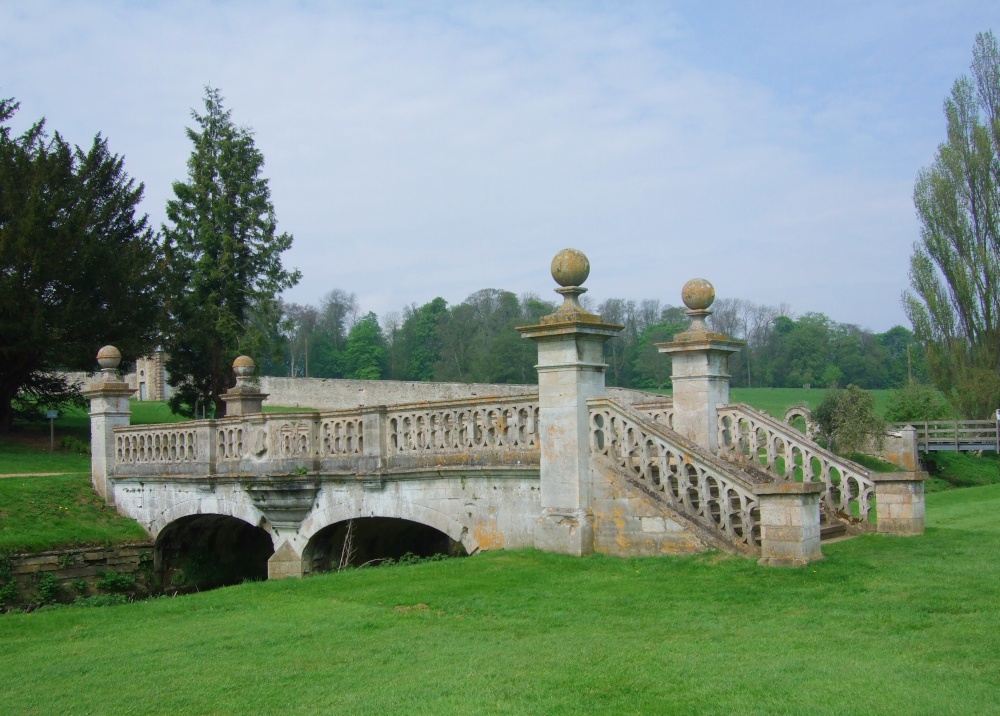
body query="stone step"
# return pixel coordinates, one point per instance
(832, 530)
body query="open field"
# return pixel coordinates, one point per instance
(777, 400)
(883, 625)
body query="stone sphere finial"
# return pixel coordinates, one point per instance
(109, 358)
(244, 366)
(698, 294)
(570, 267)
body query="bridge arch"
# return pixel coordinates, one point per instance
(195, 505)
(197, 548)
(321, 525)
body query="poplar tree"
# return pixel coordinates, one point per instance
(224, 255)
(954, 304)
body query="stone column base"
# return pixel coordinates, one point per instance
(899, 501)
(789, 523)
(285, 563)
(565, 531)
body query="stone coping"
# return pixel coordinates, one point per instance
(902, 476)
(700, 341)
(108, 387)
(789, 488)
(563, 328)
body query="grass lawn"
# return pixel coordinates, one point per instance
(881, 626)
(960, 469)
(39, 513)
(777, 400)
(17, 458)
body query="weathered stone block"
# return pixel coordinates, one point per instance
(899, 499)
(565, 532)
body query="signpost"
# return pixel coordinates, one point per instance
(53, 414)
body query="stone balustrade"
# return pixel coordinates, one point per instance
(790, 455)
(660, 411)
(488, 430)
(712, 493)
(464, 426)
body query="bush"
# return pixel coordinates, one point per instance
(48, 588)
(917, 403)
(849, 421)
(116, 582)
(71, 444)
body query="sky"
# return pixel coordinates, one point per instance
(422, 149)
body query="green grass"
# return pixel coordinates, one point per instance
(775, 401)
(16, 459)
(882, 625)
(960, 469)
(39, 513)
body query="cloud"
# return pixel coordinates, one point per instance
(419, 150)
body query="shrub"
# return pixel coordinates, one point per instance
(101, 600)
(8, 585)
(917, 403)
(48, 588)
(849, 421)
(76, 445)
(116, 582)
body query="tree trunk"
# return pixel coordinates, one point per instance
(6, 416)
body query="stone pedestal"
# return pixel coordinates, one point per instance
(570, 371)
(375, 440)
(902, 450)
(700, 372)
(700, 377)
(789, 523)
(109, 408)
(899, 500)
(244, 399)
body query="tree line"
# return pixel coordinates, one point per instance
(476, 341)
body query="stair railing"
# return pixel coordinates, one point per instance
(703, 488)
(790, 455)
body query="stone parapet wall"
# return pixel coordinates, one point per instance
(336, 393)
(74, 572)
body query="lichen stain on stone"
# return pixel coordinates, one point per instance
(621, 538)
(488, 535)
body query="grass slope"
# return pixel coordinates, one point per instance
(40, 513)
(883, 625)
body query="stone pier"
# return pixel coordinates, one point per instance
(570, 372)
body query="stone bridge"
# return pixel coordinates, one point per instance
(572, 467)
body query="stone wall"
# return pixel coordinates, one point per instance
(332, 393)
(627, 523)
(72, 573)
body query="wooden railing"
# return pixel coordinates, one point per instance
(954, 435)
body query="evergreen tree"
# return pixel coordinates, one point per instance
(78, 267)
(224, 255)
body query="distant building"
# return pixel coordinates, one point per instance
(151, 377)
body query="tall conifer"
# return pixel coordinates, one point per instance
(224, 255)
